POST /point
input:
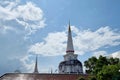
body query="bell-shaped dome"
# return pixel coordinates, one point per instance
(71, 62)
(71, 66)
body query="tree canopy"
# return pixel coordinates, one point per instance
(103, 68)
(108, 72)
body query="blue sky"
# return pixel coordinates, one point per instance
(30, 27)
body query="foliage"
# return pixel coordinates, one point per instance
(108, 72)
(103, 68)
(94, 65)
(90, 65)
(80, 78)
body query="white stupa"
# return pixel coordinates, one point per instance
(70, 64)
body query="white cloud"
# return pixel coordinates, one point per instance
(5, 29)
(88, 40)
(115, 54)
(27, 64)
(104, 53)
(27, 15)
(98, 53)
(6, 9)
(29, 12)
(53, 44)
(84, 41)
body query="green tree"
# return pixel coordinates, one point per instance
(108, 72)
(103, 68)
(100, 63)
(113, 61)
(90, 65)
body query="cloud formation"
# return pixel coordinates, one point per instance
(98, 53)
(53, 44)
(84, 41)
(104, 53)
(27, 64)
(18, 20)
(27, 15)
(115, 54)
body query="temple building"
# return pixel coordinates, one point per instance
(70, 64)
